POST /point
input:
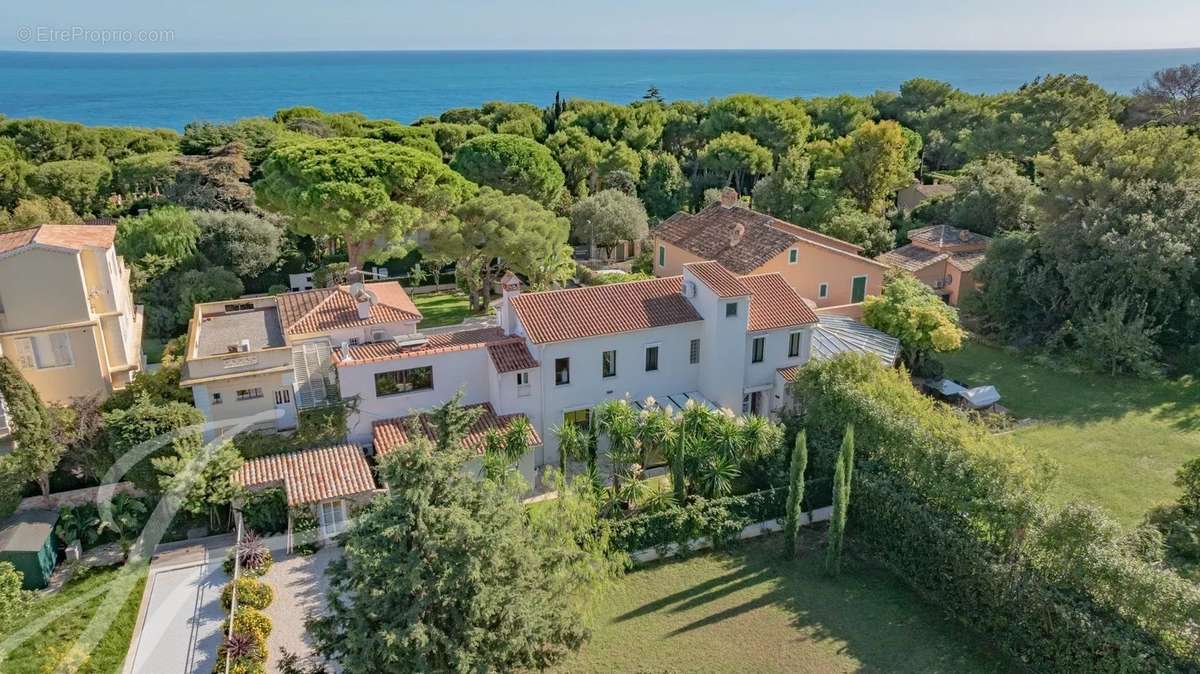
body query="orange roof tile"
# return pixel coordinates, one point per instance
(775, 304)
(311, 475)
(789, 373)
(511, 355)
(325, 309)
(442, 342)
(72, 237)
(577, 313)
(392, 433)
(718, 279)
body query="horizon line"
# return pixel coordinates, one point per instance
(843, 50)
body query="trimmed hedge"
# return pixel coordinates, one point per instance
(251, 592)
(250, 621)
(1048, 628)
(718, 519)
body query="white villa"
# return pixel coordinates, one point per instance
(708, 336)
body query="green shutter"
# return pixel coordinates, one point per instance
(858, 290)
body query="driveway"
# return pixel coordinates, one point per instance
(179, 629)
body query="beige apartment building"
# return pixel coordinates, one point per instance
(828, 271)
(271, 356)
(67, 317)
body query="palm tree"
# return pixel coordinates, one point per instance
(503, 449)
(716, 475)
(617, 420)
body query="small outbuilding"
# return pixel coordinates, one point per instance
(27, 542)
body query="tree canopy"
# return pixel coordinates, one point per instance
(909, 311)
(609, 218)
(369, 193)
(512, 164)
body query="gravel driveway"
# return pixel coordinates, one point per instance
(299, 582)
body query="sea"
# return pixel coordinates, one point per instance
(169, 90)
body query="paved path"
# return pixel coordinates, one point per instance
(300, 583)
(179, 629)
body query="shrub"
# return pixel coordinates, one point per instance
(13, 599)
(254, 557)
(251, 592)
(266, 511)
(250, 621)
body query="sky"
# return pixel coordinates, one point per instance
(318, 25)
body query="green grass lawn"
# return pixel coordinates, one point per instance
(749, 610)
(1118, 441)
(43, 651)
(442, 309)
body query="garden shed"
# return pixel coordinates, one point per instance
(27, 542)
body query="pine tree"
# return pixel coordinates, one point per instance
(842, 475)
(452, 422)
(37, 453)
(795, 500)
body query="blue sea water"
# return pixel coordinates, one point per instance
(170, 90)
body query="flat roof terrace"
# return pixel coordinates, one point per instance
(222, 332)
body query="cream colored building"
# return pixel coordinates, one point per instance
(67, 317)
(270, 356)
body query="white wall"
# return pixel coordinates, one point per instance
(723, 347)
(451, 371)
(775, 355)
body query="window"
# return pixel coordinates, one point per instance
(249, 393)
(562, 371)
(395, 382)
(609, 364)
(581, 419)
(45, 351)
(216, 398)
(378, 335)
(283, 396)
(694, 352)
(333, 518)
(730, 309)
(241, 306)
(757, 348)
(522, 384)
(823, 291)
(793, 255)
(662, 256)
(794, 345)
(858, 289)
(651, 359)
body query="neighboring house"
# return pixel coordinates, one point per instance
(67, 317)
(914, 195)
(271, 355)
(828, 271)
(942, 257)
(329, 480)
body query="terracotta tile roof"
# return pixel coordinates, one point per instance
(392, 433)
(718, 279)
(576, 313)
(934, 190)
(967, 261)
(325, 309)
(946, 237)
(775, 304)
(712, 234)
(511, 355)
(311, 475)
(72, 237)
(442, 342)
(789, 373)
(911, 257)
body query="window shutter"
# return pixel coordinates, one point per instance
(26, 357)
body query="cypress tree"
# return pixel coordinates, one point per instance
(795, 500)
(842, 475)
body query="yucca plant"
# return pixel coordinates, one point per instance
(717, 474)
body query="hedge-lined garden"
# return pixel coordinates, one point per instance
(960, 515)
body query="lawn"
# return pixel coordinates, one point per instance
(442, 309)
(42, 651)
(1118, 441)
(749, 610)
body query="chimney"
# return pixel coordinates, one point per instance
(729, 197)
(964, 235)
(354, 276)
(736, 236)
(346, 357)
(364, 299)
(510, 285)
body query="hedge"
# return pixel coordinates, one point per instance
(250, 592)
(718, 519)
(250, 621)
(1047, 627)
